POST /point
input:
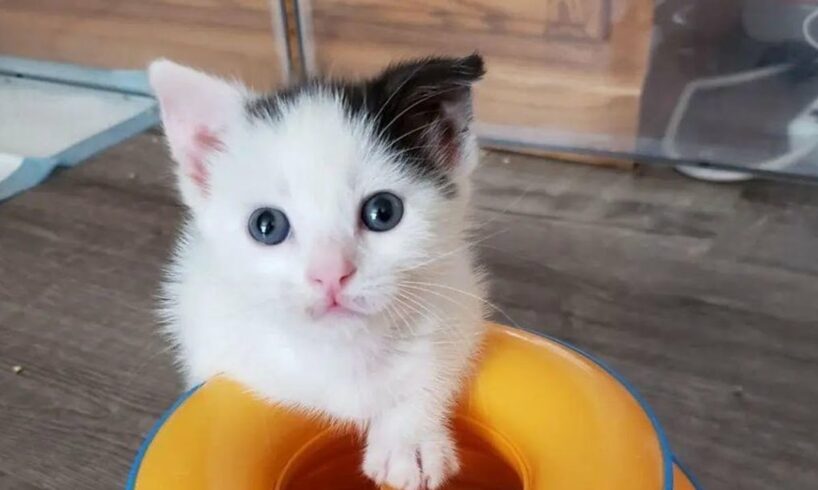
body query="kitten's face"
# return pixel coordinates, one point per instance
(326, 199)
(319, 169)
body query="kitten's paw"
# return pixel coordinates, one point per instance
(419, 466)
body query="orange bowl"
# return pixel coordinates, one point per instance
(539, 414)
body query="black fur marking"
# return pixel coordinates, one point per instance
(420, 109)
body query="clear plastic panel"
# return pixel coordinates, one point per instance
(734, 83)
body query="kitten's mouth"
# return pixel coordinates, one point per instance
(333, 308)
(340, 310)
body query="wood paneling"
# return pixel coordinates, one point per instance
(241, 38)
(577, 19)
(569, 71)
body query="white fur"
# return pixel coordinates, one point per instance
(241, 309)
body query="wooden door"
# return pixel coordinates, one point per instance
(564, 73)
(241, 38)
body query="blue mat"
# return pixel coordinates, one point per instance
(25, 171)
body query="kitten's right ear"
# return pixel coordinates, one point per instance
(427, 105)
(196, 109)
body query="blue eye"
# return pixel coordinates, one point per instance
(268, 226)
(382, 211)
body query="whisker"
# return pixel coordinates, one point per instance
(407, 311)
(453, 251)
(392, 320)
(150, 345)
(418, 299)
(398, 88)
(408, 296)
(499, 310)
(448, 298)
(512, 204)
(415, 104)
(415, 130)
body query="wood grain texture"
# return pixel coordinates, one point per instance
(234, 38)
(702, 295)
(579, 20)
(570, 71)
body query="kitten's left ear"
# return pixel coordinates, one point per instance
(196, 110)
(426, 105)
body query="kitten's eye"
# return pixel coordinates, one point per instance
(382, 211)
(268, 226)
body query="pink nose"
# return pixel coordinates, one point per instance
(331, 272)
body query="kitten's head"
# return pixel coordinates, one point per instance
(324, 197)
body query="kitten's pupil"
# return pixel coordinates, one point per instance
(382, 212)
(269, 226)
(265, 223)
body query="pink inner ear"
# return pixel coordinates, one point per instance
(196, 109)
(204, 142)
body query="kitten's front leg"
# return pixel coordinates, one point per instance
(410, 448)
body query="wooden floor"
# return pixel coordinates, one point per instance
(705, 296)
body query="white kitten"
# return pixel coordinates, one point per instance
(325, 263)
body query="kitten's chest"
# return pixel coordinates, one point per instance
(347, 380)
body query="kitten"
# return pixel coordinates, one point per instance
(325, 263)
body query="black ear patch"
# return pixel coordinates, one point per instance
(423, 108)
(420, 109)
